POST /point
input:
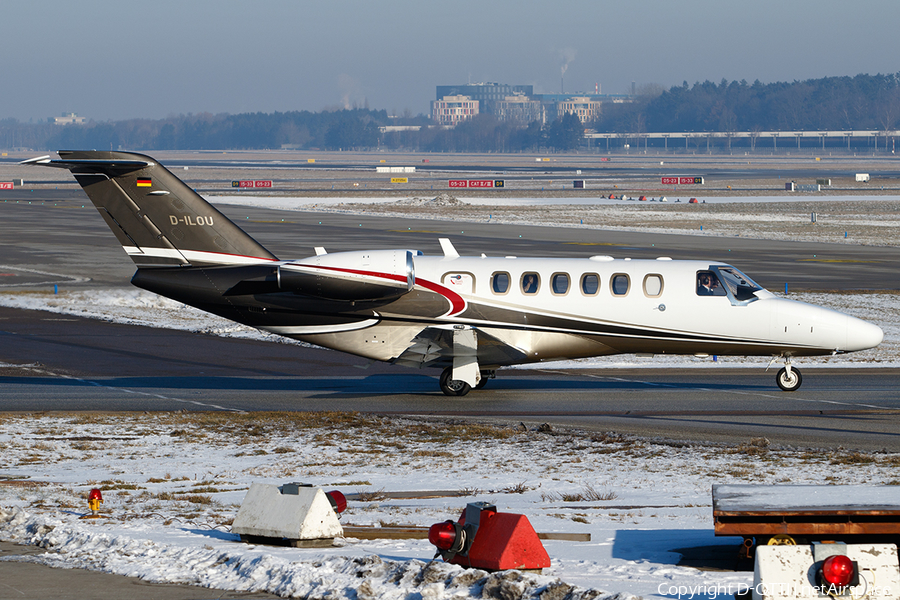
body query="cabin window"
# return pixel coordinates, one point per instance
(708, 284)
(559, 283)
(619, 284)
(500, 283)
(653, 285)
(531, 282)
(590, 284)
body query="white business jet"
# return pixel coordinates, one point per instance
(466, 315)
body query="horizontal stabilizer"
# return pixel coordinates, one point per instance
(87, 165)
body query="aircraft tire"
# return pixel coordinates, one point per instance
(789, 384)
(481, 383)
(453, 387)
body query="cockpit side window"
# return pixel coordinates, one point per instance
(708, 284)
(741, 287)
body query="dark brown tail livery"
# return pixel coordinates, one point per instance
(160, 221)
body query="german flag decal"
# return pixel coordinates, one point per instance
(144, 182)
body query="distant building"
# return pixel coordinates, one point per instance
(452, 110)
(487, 94)
(519, 102)
(583, 107)
(519, 108)
(68, 119)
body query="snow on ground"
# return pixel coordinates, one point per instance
(172, 483)
(132, 306)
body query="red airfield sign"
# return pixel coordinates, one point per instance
(682, 180)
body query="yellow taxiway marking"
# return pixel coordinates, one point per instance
(591, 244)
(836, 260)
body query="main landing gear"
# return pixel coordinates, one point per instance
(788, 379)
(454, 387)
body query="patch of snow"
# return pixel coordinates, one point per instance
(167, 519)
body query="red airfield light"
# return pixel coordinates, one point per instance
(448, 536)
(338, 501)
(839, 571)
(95, 499)
(486, 539)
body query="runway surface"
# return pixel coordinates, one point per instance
(67, 363)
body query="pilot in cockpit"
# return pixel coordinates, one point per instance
(708, 284)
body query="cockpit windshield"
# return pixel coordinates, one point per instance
(740, 287)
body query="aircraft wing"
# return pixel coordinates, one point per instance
(434, 346)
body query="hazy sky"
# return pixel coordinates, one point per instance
(122, 59)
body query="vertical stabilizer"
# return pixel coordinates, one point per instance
(158, 219)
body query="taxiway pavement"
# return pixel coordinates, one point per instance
(55, 237)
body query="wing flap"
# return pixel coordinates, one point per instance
(433, 346)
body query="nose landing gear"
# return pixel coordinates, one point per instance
(788, 379)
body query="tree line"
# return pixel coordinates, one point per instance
(354, 129)
(863, 102)
(870, 102)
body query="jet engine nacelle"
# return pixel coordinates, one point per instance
(350, 276)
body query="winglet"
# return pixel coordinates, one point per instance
(447, 247)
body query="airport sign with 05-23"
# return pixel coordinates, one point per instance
(476, 183)
(682, 181)
(249, 183)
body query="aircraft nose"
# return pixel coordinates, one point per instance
(862, 335)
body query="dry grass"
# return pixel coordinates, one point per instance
(851, 458)
(198, 499)
(117, 485)
(758, 446)
(519, 488)
(588, 493)
(433, 453)
(370, 496)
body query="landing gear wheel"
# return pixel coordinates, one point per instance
(789, 383)
(453, 387)
(485, 375)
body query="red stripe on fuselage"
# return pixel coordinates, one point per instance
(457, 302)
